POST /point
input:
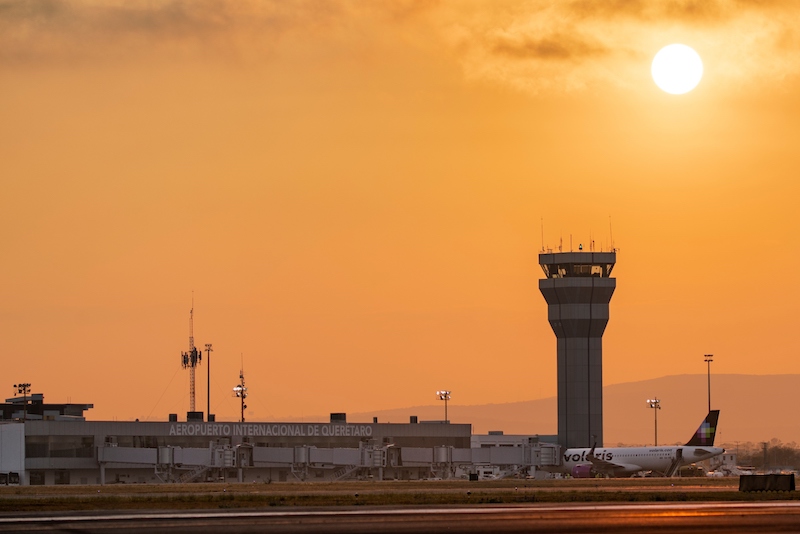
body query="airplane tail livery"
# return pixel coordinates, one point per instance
(704, 437)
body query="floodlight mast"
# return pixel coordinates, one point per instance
(444, 396)
(656, 405)
(241, 391)
(708, 359)
(209, 350)
(23, 389)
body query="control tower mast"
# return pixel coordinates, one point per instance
(578, 289)
(191, 359)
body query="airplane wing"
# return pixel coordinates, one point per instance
(604, 466)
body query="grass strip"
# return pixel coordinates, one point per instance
(16, 505)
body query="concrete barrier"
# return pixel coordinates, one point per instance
(766, 483)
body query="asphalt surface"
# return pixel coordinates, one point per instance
(761, 517)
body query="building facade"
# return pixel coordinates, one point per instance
(51, 452)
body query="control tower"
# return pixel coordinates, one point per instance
(578, 289)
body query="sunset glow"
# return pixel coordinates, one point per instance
(355, 194)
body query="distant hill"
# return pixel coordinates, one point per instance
(754, 408)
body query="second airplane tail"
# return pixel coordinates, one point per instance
(707, 431)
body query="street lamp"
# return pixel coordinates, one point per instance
(23, 389)
(444, 396)
(209, 350)
(709, 358)
(656, 405)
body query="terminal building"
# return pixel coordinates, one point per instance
(58, 446)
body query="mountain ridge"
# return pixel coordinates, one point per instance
(753, 408)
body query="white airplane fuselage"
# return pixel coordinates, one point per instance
(627, 461)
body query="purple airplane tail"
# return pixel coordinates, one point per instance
(705, 434)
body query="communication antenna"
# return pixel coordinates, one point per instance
(542, 234)
(610, 233)
(192, 358)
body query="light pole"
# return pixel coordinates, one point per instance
(209, 350)
(241, 392)
(444, 396)
(656, 405)
(709, 358)
(23, 389)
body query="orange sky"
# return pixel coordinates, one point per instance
(355, 192)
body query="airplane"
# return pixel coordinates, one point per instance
(628, 461)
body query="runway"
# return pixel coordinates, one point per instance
(761, 517)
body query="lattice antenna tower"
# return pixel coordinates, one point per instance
(191, 359)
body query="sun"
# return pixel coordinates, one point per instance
(677, 69)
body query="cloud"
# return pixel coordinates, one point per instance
(532, 45)
(57, 30)
(685, 11)
(543, 45)
(558, 47)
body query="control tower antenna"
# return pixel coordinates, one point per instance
(542, 234)
(191, 359)
(610, 233)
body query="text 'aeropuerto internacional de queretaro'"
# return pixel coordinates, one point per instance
(267, 429)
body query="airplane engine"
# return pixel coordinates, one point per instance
(582, 471)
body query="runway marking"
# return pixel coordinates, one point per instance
(403, 511)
